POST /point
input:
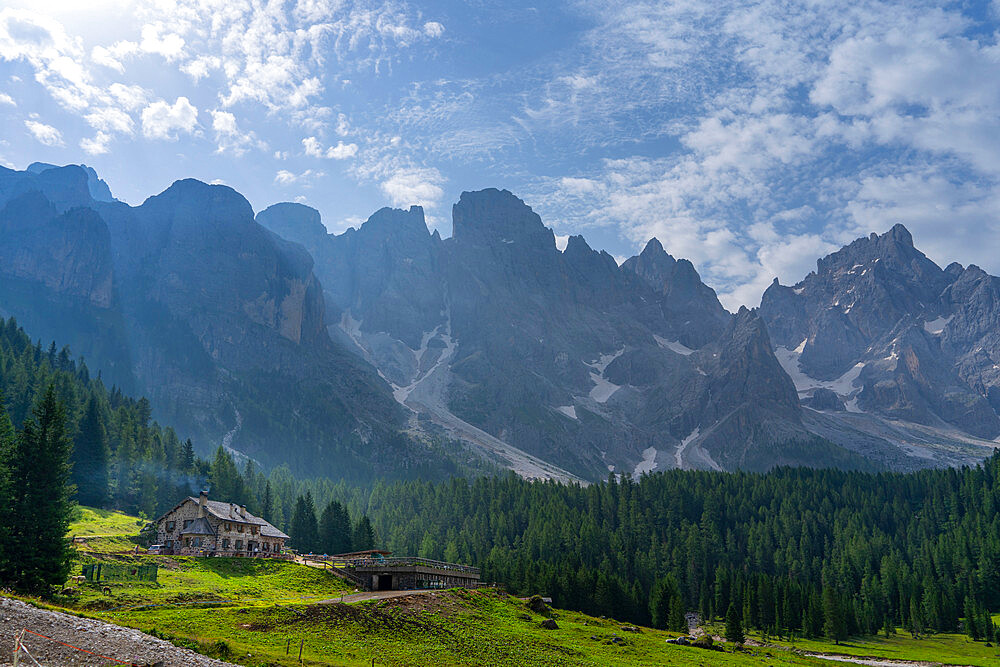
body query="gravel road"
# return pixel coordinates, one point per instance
(124, 644)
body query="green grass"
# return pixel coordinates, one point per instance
(450, 628)
(87, 521)
(233, 580)
(948, 649)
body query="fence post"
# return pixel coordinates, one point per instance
(288, 645)
(301, 644)
(17, 647)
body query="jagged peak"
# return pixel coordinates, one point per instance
(653, 246)
(576, 244)
(494, 216)
(392, 219)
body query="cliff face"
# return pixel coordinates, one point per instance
(216, 319)
(496, 336)
(893, 334)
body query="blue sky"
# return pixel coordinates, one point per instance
(749, 137)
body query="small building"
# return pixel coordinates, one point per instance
(203, 527)
(375, 571)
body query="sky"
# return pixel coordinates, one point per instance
(749, 137)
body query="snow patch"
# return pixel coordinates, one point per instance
(679, 454)
(603, 388)
(935, 327)
(799, 290)
(568, 410)
(789, 360)
(673, 346)
(648, 462)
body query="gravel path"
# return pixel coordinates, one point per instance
(104, 638)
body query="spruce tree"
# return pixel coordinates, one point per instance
(7, 453)
(834, 625)
(304, 530)
(267, 507)
(335, 529)
(734, 627)
(364, 535)
(41, 498)
(678, 621)
(659, 603)
(90, 458)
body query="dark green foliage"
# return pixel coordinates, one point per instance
(364, 536)
(7, 452)
(38, 514)
(335, 529)
(734, 627)
(305, 533)
(120, 455)
(90, 458)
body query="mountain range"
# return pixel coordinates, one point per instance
(391, 351)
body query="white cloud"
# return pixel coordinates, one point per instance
(433, 29)
(342, 151)
(285, 177)
(7, 100)
(113, 55)
(229, 137)
(44, 134)
(96, 145)
(163, 121)
(170, 45)
(420, 186)
(111, 120)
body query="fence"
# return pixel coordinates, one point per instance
(119, 572)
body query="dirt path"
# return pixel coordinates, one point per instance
(113, 641)
(374, 595)
(876, 662)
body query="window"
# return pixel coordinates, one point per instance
(239, 528)
(171, 525)
(197, 541)
(225, 543)
(267, 546)
(170, 544)
(239, 545)
(253, 529)
(229, 526)
(187, 541)
(188, 522)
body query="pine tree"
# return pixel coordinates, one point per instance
(7, 453)
(834, 625)
(41, 501)
(678, 621)
(90, 458)
(364, 535)
(305, 533)
(267, 506)
(734, 628)
(188, 456)
(659, 603)
(335, 529)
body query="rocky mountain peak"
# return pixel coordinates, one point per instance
(96, 186)
(397, 222)
(491, 217)
(295, 222)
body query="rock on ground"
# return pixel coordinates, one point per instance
(106, 639)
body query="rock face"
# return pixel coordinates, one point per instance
(187, 300)
(890, 333)
(495, 337)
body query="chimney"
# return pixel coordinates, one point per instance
(243, 511)
(202, 504)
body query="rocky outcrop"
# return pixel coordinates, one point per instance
(564, 355)
(891, 333)
(187, 300)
